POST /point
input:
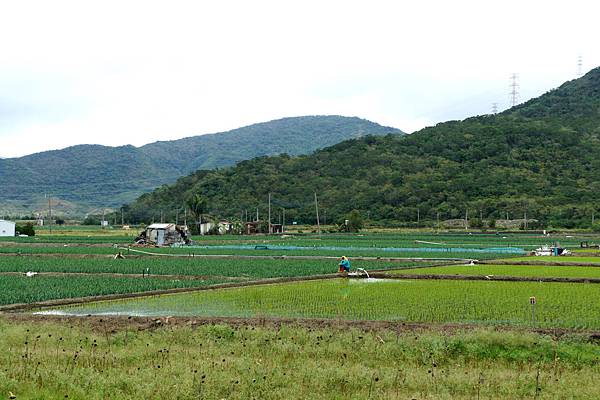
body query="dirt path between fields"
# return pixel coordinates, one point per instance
(114, 324)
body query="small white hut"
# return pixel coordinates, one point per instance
(7, 228)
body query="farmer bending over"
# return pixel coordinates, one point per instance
(344, 264)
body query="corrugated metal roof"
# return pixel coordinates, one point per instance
(161, 226)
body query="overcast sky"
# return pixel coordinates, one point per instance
(128, 72)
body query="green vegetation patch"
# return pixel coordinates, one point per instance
(21, 289)
(255, 268)
(558, 304)
(571, 259)
(216, 361)
(537, 271)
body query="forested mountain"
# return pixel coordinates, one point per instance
(541, 158)
(87, 177)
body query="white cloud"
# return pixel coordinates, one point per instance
(120, 72)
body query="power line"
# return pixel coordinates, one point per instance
(514, 89)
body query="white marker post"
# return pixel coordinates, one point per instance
(532, 301)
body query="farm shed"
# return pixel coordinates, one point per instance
(163, 235)
(7, 228)
(276, 228)
(251, 228)
(222, 227)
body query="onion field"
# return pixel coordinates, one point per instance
(251, 268)
(20, 289)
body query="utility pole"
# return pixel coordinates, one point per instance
(466, 219)
(592, 217)
(418, 217)
(122, 218)
(103, 218)
(256, 214)
(270, 230)
(283, 221)
(317, 208)
(438, 221)
(50, 214)
(514, 89)
(525, 217)
(185, 216)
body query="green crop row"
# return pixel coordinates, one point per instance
(69, 238)
(21, 289)
(316, 251)
(375, 240)
(558, 304)
(537, 271)
(572, 259)
(255, 268)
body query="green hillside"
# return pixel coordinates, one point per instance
(84, 178)
(540, 158)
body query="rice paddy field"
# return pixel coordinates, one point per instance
(252, 312)
(437, 301)
(533, 271)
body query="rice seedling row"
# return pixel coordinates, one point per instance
(537, 271)
(573, 259)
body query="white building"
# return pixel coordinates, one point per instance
(7, 228)
(223, 227)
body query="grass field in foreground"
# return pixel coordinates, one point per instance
(48, 361)
(537, 271)
(563, 305)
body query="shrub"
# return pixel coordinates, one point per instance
(26, 229)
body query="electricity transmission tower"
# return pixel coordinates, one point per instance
(579, 65)
(514, 89)
(494, 108)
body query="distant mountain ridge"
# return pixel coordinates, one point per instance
(85, 178)
(539, 160)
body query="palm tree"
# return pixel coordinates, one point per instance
(197, 205)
